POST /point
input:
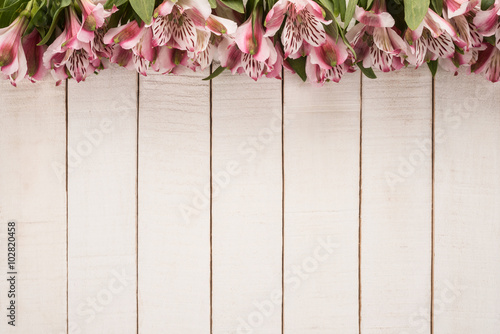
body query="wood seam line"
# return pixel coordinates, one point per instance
(282, 201)
(360, 197)
(210, 97)
(432, 203)
(137, 207)
(67, 208)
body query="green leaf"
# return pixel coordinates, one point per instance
(433, 66)
(367, 71)
(63, 4)
(109, 4)
(342, 9)
(485, 4)
(13, 6)
(329, 6)
(349, 13)
(215, 73)
(415, 11)
(38, 17)
(336, 7)
(143, 8)
(237, 5)
(251, 8)
(437, 5)
(213, 3)
(490, 39)
(299, 66)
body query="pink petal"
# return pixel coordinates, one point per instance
(372, 19)
(126, 36)
(437, 25)
(274, 18)
(486, 21)
(219, 25)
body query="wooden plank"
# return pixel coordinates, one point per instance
(467, 212)
(396, 201)
(102, 127)
(321, 149)
(247, 205)
(174, 206)
(33, 194)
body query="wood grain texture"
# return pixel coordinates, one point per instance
(396, 201)
(174, 204)
(33, 194)
(467, 211)
(102, 211)
(247, 205)
(321, 149)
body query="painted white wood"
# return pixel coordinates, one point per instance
(321, 150)
(467, 211)
(247, 205)
(102, 126)
(174, 204)
(33, 194)
(396, 201)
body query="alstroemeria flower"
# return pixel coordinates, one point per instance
(467, 35)
(328, 62)
(374, 39)
(99, 48)
(169, 60)
(303, 24)
(181, 24)
(12, 57)
(431, 40)
(486, 21)
(127, 35)
(466, 60)
(232, 57)
(220, 26)
(459, 7)
(69, 54)
(332, 53)
(488, 63)
(94, 17)
(250, 39)
(318, 75)
(34, 56)
(201, 60)
(133, 46)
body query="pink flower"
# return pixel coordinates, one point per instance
(12, 57)
(375, 41)
(459, 7)
(69, 54)
(34, 56)
(488, 63)
(317, 75)
(467, 35)
(133, 46)
(169, 60)
(487, 22)
(332, 53)
(303, 24)
(182, 25)
(328, 62)
(127, 35)
(432, 39)
(233, 58)
(94, 17)
(250, 39)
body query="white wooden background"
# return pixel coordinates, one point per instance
(174, 205)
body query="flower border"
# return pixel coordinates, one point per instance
(319, 40)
